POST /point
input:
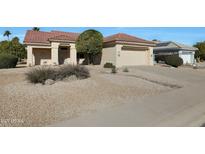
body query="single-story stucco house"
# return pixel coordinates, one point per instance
(169, 48)
(57, 47)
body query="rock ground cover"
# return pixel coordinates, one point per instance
(40, 105)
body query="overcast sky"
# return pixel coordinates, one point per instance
(187, 36)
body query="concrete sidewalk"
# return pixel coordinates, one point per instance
(179, 107)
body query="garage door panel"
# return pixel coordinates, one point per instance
(41, 55)
(186, 58)
(131, 58)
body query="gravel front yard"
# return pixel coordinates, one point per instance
(25, 104)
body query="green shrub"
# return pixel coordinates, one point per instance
(90, 42)
(42, 73)
(64, 72)
(160, 58)
(114, 70)
(125, 69)
(174, 60)
(8, 61)
(108, 65)
(80, 72)
(202, 57)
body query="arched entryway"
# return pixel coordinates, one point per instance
(63, 54)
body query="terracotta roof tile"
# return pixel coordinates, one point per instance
(62, 37)
(126, 38)
(68, 35)
(44, 37)
(37, 37)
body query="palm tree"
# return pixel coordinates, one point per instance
(7, 33)
(36, 29)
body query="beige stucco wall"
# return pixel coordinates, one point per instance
(54, 52)
(29, 56)
(120, 57)
(113, 54)
(54, 49)
(30, 53)
(150, 56)
(73, 54)
(109, 55)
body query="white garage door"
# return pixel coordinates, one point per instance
(186, 58)
(133, 57)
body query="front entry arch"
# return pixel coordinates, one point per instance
(63, 55)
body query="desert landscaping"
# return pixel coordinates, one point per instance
(27, 104)
(40, 105)
(182, 105)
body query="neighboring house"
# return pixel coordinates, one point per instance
(56, 47)
(169, 48)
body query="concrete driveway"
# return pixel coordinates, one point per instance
(179, 107)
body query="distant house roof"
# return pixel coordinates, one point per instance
(45, 37)
(173, 45)
(121, 37)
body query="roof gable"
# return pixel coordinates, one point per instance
(167, 44)
(174, 45)
(37, 37)
(126, 38)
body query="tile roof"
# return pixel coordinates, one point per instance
(45, 37)
(37, 37)
(126, 38)
(62, 37)
(173, 45)
(67, 35)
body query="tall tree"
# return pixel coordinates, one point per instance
(13, 47)
(7, 33)
(90, 43)
(36, 29)
(4, 47)
(18, 49)
(201, 53)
